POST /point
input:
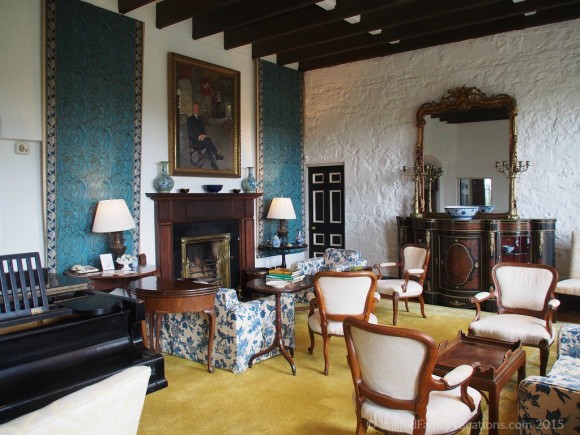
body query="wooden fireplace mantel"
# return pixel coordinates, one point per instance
(179, 208)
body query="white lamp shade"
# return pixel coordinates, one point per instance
(281, 208)
(112, 215)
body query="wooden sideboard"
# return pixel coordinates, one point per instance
(464, 252)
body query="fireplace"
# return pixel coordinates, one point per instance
(206, 259)
(181, 216)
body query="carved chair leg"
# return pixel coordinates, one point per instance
(407, 305)
(422, 304)
(361, 426)
(311, 348)
(544, 355)
(476, 424)
(395, 307)
(326, 342)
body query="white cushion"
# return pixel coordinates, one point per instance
(524, 287)
(389, 286)
(333, 327)
(513, 327)
(445, 413)
(569, 287)
(112, 406)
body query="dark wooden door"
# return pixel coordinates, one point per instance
(326, 208)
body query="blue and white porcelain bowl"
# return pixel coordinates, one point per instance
(486, 208)
(461, 212)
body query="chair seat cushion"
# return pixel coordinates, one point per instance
(513, 327)
(568, 287)
(387, 287)
(446, 413)
(333, 327)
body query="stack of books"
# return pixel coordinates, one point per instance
(284, 275)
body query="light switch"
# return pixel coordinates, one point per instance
(22, 148)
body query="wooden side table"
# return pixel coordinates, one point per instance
(259, 284)
(162, 296)
(499, 361)
(111, 279)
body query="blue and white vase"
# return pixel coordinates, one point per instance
(299, 237)
(163, 182)
(276, 241)
(250, 183)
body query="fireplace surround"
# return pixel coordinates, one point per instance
(179, 215)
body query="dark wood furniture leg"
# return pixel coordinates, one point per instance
(278, 342)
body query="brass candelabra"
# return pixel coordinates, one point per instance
(511, 171)
(416, 173)
(431, 173)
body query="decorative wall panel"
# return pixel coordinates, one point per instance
(93, 126)
(280, 146)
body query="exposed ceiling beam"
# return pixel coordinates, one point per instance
(129, 5)
(397, 15)
(423, 27)
(549, 16)
(305, 18)
(170, 12)
(241, 13)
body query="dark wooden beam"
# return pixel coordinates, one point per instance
(397, 15)
(129, 5)
(430, 25)
(174, 11)
(241, 13)
(305, 18)
(541, 18)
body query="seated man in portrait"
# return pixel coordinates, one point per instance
(199, 140)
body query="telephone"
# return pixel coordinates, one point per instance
(83, 269)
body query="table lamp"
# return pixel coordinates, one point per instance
(113, 217)
(281, 208)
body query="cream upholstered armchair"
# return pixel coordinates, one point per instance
(395, 390)
(526, 305)
(338, 296)
(571, 286)
(112, 406)
(412, 269)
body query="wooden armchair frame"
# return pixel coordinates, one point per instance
(549, 307)
(412, 274)
(459, 377)
(319, 302)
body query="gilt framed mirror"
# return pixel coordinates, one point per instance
(460, 137)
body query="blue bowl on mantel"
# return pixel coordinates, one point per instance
(461, 212)
(213, 188)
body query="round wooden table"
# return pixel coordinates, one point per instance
(111, 279)
(162, 296)
(259, 284)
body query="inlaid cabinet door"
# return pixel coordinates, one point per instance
(461, 263)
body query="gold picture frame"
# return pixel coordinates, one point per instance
(209, 145)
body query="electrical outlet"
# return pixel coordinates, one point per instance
(22, 148)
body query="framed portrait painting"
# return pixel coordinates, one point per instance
(204, 118)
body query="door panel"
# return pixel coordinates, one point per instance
(326, 208)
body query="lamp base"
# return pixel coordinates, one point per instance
(117, 246)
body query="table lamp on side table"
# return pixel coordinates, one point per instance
(113, 217)
(282, 209)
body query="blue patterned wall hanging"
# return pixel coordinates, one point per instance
(280, 168)
(94, 63)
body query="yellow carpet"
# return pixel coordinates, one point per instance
(267, 399)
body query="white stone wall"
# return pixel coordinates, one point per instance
(363, 114)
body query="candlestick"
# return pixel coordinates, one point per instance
(416, 173)
(511, 171)
(431, 173)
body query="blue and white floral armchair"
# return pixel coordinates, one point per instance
(550, 404)
(334, 259)
(242, 329)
